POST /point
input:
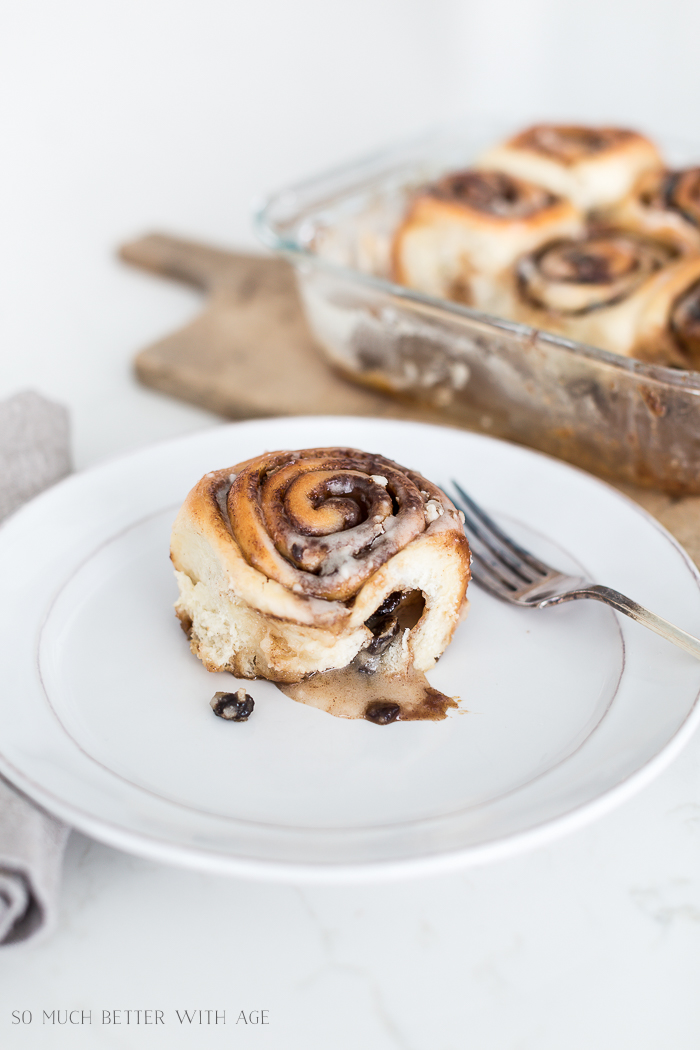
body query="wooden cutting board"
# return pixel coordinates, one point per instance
(250, 354)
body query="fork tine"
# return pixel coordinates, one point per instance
(493, 579)
(495, 554)
(496, 567)
(502, 546)
(489, 582)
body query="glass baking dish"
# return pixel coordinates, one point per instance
(611, 415)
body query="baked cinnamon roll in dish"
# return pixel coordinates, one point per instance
(663, 204)
(470, 225)
(335, 573)
(590, 166)
(669, 326)
(593, 289)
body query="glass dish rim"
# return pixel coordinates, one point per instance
(299, 255)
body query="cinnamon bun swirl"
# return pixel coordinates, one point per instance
(592, 289)
(470, 225)
(663, 204)
(336, 573)
(590, 166)
(669, 327)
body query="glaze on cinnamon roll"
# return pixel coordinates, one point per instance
(471, 225)
(592, 289)
(591, 166)
(334, 572)
(664, 204)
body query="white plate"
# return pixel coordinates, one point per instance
(105, 713)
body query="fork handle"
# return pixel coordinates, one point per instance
(635, 611)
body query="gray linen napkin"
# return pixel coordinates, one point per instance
(34, 453)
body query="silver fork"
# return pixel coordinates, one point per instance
(506, 570)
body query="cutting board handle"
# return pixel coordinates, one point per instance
(182, 260)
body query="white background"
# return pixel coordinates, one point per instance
(122, 117)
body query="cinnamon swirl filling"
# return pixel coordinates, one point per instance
(570, 143)
(322, 521)
(493, 193)
(677, 191)
(684, 322)
(578, 276)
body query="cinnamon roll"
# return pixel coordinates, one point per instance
(335, 573)
(592, 289)
(591, 166)
(669, 327)
(663, 204)
(470, 225)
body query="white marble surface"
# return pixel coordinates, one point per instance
(593, 941)
(121, 117)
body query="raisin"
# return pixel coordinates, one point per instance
(388, 606)
(367, 660)
(382, 713)
(234, 707)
